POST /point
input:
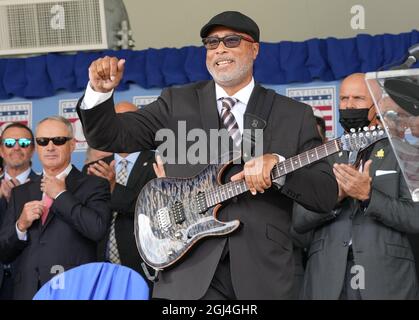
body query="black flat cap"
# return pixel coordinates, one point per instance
(233, 20)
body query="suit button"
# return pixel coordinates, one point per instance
(345, 243)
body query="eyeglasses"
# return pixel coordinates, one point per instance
(11, 142)
(58, 141)
(230, 41)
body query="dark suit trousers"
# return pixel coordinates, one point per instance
(221, 287)
(6, 288)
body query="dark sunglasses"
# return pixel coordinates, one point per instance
(58, 141)
(22, 142)
(231, 41)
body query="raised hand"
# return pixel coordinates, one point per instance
(106, 73)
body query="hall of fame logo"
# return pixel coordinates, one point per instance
(15, 112)
(67, 109)
(321, 98)
(141, 101)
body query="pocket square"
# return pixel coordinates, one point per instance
(383, 172)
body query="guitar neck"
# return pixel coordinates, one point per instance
(233, 189)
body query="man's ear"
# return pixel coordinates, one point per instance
(73, 144)
(255, 48)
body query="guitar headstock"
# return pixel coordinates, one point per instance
(358, 141)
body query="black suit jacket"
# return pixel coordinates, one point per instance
(77, 220)
(5, 291)
(378, 235)
(123, 200)
(261, 258)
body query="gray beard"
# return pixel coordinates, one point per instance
(232, 79)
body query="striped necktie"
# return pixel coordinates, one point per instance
(113, 252)
(228, 119)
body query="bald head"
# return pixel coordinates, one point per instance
(125, 106)
(354, 93)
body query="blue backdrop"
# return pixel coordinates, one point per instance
(51, 82)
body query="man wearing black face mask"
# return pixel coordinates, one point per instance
(360, 249)
(353, 117)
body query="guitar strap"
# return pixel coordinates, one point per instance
(256, 117)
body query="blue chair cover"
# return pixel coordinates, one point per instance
(95, 281)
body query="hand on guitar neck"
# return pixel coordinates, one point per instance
(257, 173)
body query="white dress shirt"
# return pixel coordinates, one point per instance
(21, 177)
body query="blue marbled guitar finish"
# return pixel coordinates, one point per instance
(172, 214)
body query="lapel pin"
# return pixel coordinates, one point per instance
(380, 154)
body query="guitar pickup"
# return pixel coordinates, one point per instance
(178, 212)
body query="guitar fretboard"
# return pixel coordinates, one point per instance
(233, 189)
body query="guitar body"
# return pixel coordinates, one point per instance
(172, 215)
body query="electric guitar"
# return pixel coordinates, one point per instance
(172, 214)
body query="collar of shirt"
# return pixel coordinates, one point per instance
(64, 173)
(243, 96)
(131, 158)
(21, 177)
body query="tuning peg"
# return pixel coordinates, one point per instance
(352, 130)
(366, 129)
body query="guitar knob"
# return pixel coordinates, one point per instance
(178, 235)
(352, 130)
(366, 129)
(171, 253)
(372, 128)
